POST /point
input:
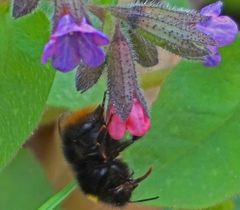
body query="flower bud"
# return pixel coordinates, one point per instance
(127, 109)
(172, 29)
(122, 78)
(138, 122)
(23, 7)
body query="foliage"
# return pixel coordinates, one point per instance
(58, 197)
(25, 83)
(193, 144)
(19, 181)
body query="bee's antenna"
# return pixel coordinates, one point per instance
(138, 180)
(143, 200)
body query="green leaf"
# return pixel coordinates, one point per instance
(227, 205)
(64, 93)
(25, 82)
(55, 200)
(104, 2)
(177, 3)
(19, 181)
(193, 144)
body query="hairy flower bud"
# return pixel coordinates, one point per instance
(23, 7)
(126, 100)
(172, 29)
(73, 7)
(187, 33)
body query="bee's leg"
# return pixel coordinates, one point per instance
(122, 146)
(101, 141)
(127, 143)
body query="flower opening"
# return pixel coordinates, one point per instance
(71, 42)
(138, 122)
(221, 28)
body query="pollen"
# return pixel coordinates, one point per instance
(92, 198)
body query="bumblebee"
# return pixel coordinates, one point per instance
(93, 155)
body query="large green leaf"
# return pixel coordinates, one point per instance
(23, 184)
(194, 142)
(25, 83)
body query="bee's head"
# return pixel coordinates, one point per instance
(119, 184)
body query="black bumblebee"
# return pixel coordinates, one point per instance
(93, 155)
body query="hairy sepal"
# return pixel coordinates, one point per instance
(122, 78)
(172, 29)
(146, 53)
(87, 77)
(74, 7)
(23, 7)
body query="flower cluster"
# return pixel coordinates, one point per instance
(139, 28)
(189, 34)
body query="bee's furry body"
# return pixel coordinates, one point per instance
(93, 155)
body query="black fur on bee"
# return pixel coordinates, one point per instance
(93, 155)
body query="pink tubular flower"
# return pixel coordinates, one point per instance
(71, 42)
(221, 28)
(137, 123)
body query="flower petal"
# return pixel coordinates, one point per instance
(212, 9)
(66, 56)
(92, 55)
(222, 29)
(48, 51)
(116, 127)
(66, 25)
(98, 37)
(138, 122)
(213, 60)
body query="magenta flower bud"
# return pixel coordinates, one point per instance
(72, 43)
(221, 28)
(127, 108)
(137, 123)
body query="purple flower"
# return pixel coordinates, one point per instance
(221, 28)
(71, 42)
